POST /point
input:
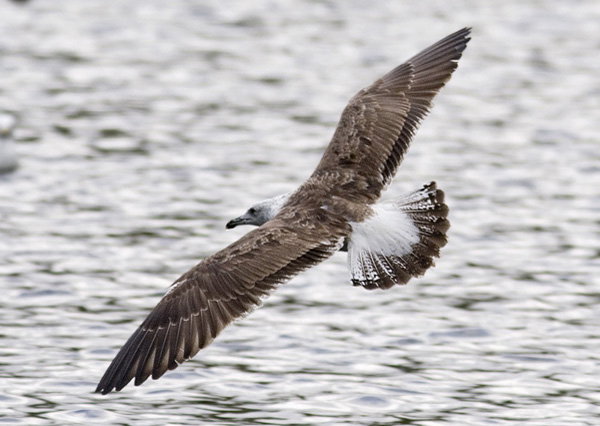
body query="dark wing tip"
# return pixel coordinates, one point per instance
(450, 48)
(151, 352)
(463, 34)
(120, 371)
(459, 39)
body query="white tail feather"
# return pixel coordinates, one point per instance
(399, 240)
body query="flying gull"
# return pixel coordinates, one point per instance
(387, 243)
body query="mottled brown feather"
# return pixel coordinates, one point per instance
(217, 291)
(376, 127)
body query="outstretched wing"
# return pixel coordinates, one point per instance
(218, 290)
(379, 122)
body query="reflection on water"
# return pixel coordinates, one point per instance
(145, 127)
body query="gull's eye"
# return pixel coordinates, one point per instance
(252, 210)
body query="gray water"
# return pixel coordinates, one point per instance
(146, 125)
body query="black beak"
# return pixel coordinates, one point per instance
(234, 222)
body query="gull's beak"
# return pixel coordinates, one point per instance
(235, 222)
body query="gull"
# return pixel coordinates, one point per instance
(8, 155)
(334, 209)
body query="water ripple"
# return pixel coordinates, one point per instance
(144, 127)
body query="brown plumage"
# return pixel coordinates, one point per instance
(379, 122)
(368, 145)
(218, 290)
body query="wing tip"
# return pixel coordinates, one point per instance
(116, 382)
(110, 383)
(104, 388)
(465, 34)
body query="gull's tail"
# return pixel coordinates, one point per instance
(400, 240)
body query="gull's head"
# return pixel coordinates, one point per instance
(260, 213)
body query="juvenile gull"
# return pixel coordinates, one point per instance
(387, 243)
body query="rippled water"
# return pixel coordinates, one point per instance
(145, 126)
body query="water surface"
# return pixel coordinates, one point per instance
(145, 126)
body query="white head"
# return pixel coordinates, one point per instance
(260, 213)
